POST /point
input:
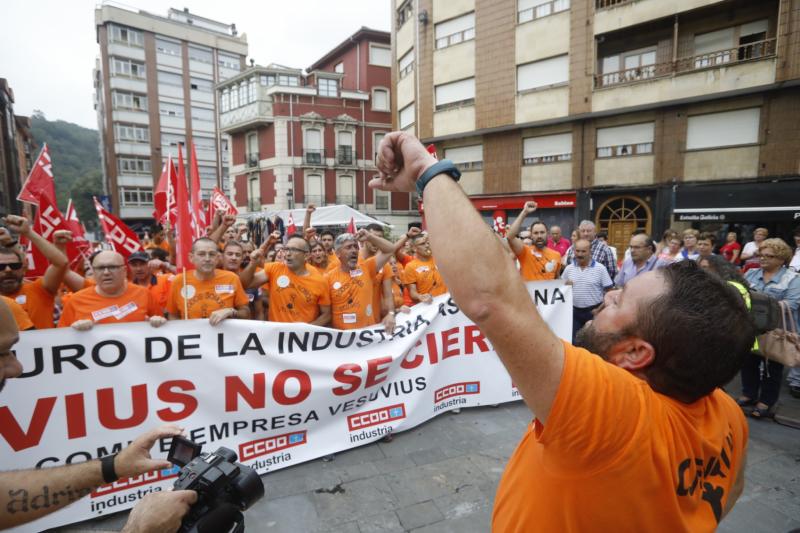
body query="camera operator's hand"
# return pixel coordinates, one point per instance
(160, 512)
(135, 459)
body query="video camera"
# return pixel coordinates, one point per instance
(224, 487)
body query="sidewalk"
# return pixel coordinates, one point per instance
(442, 476)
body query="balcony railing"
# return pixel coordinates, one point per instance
(252, 159)
(605, 4)
(314, 157)
(315, 199)
(544, 159)
(744, 52)
(624, 150)
(345, 156)
(346, 200)
(455, 38)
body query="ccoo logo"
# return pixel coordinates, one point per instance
(376, 416)
(457, 389)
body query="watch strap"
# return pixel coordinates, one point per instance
(445, 166)
(107, 468)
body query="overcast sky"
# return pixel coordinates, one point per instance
(49, 46)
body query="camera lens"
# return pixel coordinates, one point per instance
(248, 486)
(227, 454)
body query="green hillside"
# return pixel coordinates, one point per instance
(75, 152)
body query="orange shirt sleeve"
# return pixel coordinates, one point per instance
(325, 298)
(67, 315)
(240, 297)
(174, 295)
(409, 274)
(20, 316)
(153, 307)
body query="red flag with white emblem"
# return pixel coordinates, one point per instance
(351, 227)
(291, 228)
(40, 181)
(198, 215)
(183, 221)
(121, 238)
(164, 194)
(220, 202)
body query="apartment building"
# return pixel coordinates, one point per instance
(17, 151)
(154, 85)
(632, 113)
(302, 136)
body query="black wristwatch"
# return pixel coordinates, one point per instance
(445, 166)
(107, 468)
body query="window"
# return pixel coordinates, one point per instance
(199, 84)
(547, 149)
(133, 101)
(251, 89)
(204, 143)
(376, 141)
(404, 13)
(200, 54)
(289, 81)
(406, 64)
(455, 94)
(327, 87)
(339, 68)
(127, 68)
(466, 157)
(254, 193)
(225, 100)
(135, 196)
(170, 142)
(252, 150)
(170, 110)
(380, 55)
(455, 31)
(207, 172)
(169, 78)
(528, 10)
(131, 133)
(544, 73)
(123, 35)
(313, 154)
(622, 141)
(719, 47)
(344, 150)
(380, 99)
(629, 66)
(133, 165)
(227, 61)
(381, 199)
(407, 116)
(198, 113)
(729, 128)
(267, 80)
(234, 96)
(170, 48)
(345, 191)
(314, 192)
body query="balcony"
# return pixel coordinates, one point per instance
(246, 117)
(314, 157)
(252, 159)
(743, 53)
(345, 156)
(315, 199)
(605, 4)
(346, 200)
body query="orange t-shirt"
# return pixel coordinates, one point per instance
(352, 296)
(164, 245)
(377, 287)
(536, 264)
(425, 275)
(616, 454)
(20, 316)
(37, 302)
(159, 290)
(204, 297)
(294, 298)
(333, 262)
(397, 295)
(133, 305)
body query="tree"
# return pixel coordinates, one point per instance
(86, 186)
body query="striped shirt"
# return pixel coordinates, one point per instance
(588, 284)
(601, 253)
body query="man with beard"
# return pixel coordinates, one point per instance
(36, 297)
(537, 262)
(206, 292)
(641, 438)
(421, 274)
(112, 299)
(54, 488)
(296, 293)
(589, 282)
(351, 285)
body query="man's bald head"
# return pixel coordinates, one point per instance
(105, 257)
(10, 367)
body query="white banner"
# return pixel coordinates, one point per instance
(277, 394)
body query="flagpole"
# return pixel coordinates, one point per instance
(185, 300)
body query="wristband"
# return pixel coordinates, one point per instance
(107, 468)
(235, 313)
(445, 166)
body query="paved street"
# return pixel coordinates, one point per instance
(442, 476)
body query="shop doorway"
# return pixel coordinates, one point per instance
(620, 216)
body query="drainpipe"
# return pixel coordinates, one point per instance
(291, 148)
(363, 157)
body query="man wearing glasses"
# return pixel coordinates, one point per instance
(296, 293)
(37, 297)
(643, 259)
(112, 299)
(207, 292)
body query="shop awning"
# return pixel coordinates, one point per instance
(746, 202)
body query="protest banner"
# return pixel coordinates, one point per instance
(277, 394)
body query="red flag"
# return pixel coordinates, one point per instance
(40, 181)
(291, 228)
(164, 194)
(351, 227)
(220, 202)
(78, 231)
(121, 238)
(183, 223)
(431, 148)
(198, 215)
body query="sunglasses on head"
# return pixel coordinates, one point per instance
(12, 266)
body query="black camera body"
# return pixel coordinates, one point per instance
(224, 487)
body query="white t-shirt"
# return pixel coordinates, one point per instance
(795, 263)
(750, 248)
